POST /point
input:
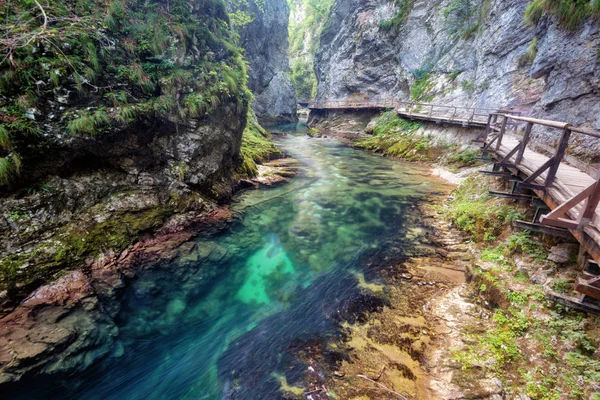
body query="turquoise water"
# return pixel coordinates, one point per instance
(227, 318)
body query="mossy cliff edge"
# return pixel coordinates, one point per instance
(114, 115)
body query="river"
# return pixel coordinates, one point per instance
(225, 319)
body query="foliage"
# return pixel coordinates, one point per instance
(474, 212)
(530, 54)
(570, 13)
(131, 55)
(396, 137)
(308, 19)
(458, 17)
(524, 243)
(400, 16)
(465, 158)
(304, 78)
(418, 91)
(256, 148)
(468, 86)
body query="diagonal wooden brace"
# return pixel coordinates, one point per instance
(554, 218)
(504, 161)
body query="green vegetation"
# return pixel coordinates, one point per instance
(400, 16)
(458, 17)
(396, 137)
(474, 212)
(465, 158)
(72, 244)
(529, 56)
(256, 148)
(537, 348)
(131, 55)
(308, 18)
(570, 13)
(419, 90)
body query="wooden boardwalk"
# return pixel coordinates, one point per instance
(460, 116)
(571, 190)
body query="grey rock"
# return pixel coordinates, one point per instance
(562, 252)
(265, 41)
(357, 58)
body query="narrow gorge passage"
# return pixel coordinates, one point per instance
(220, 319)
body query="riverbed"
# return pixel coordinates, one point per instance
(229, 317)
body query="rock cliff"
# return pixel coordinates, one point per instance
(144, 121)
(478, 53)
(107, 136)
(264, 37)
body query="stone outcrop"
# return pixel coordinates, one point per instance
(65, 326)
(488, 60)
(265, 41)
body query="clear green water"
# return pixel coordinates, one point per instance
(218, 322)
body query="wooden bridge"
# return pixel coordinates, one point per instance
(569, 188)
(461, 116)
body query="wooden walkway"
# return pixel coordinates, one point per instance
(441, 114)
(571, 190)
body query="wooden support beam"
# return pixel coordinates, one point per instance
(532, 186)
(524, 143)
(496, 173)
(501, 134)
(531, 178)
(544, 229)
(590, 205)
(555, 217)
(582, 286)
(510, 154)
(561, 223)
(558, 156)
(511, 195)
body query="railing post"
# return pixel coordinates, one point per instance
(453, 114)
(560, 153)
(526, 137)
(590, 205)
(502, 130)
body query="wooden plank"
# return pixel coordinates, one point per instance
(583, 287)
(546, 230)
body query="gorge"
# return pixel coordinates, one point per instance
(169, 230)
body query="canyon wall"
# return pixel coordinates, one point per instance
(265, 42)
(483, 56)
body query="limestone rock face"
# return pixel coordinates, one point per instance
(481, 62)
(265, 41)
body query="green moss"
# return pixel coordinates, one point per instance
(570, 13)
(75, 52)
(73, 244)
(256, 148)
(396, 137)
(530, 54)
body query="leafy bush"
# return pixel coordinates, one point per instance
(474, 212)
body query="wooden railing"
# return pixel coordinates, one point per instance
(445, 112)
(590, 195)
